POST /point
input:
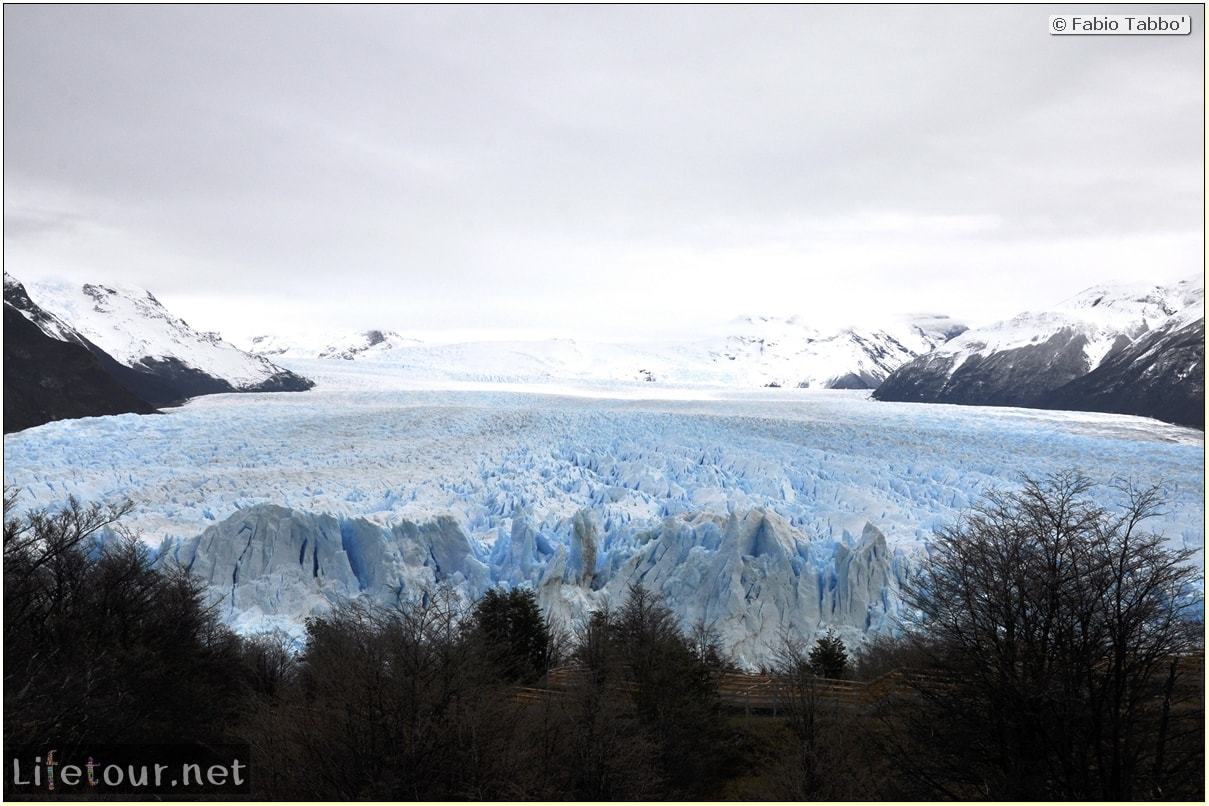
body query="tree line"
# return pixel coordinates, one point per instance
(1054, 652)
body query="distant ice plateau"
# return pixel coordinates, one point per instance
(749, 351)
(759, 511)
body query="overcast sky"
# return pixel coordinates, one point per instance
(595, 171)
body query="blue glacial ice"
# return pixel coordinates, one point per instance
(759, 513)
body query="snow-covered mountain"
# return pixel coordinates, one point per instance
(348, 346)
(366, 343)
(1160, 374)
(16, 297)
(752, 351)
(160, 358)
(53, 378)
(1110, 348)
(787, 352)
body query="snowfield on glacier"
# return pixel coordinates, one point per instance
(755, 511)
(748, 351)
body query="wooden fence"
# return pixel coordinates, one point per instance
(761, 693)
(776, 693)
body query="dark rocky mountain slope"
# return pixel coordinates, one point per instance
(141, 346)
(46, 379)
(1125, 350)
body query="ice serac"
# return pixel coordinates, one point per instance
(437, 552)
(863, 581)
(750, 575)
(273, 565)
(755, 578)
(581, 562)
(269, 563)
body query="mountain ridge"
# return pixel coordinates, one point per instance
(1126, 349)
(142, 348)
(48, 379)
(753, 351)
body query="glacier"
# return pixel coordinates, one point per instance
(749, 351)
(762, 513)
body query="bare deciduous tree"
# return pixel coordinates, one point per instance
(1060, 629)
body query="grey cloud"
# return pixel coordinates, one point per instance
(465, 146)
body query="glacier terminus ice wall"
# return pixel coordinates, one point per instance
(749, 575)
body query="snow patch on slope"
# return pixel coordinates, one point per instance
(1108, 316)
(131, 325)
(15, 294)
